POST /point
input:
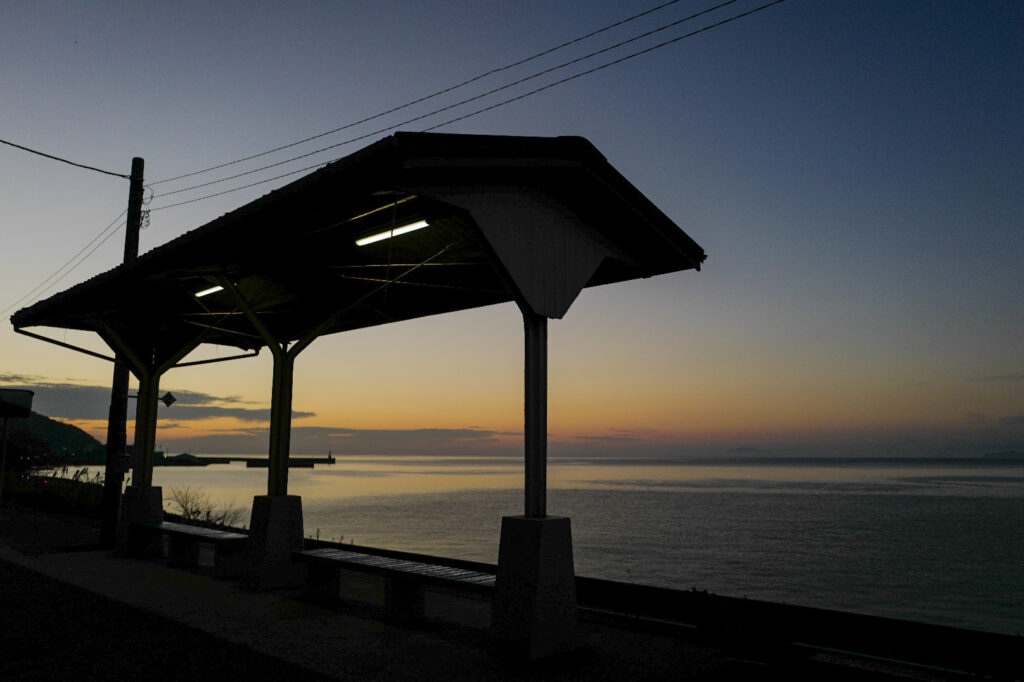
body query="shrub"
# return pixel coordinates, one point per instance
(195, 505)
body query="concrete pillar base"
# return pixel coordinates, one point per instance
(275, 531)
(141, 506)
(534, 607)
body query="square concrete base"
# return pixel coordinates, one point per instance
(275, 532)
(141, 506)
(534, 606)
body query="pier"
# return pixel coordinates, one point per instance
(293, 462)
(187, 459)
(264, 462)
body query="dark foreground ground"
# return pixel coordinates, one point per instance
(70, 610)
(52, 630)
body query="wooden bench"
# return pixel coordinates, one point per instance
(404, 579)
(183, 542)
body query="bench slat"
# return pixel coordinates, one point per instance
(210, 534)
(355, 560)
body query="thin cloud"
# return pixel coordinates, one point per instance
(343, 440)
(199, 412)
(1017, 420)
(1013, 376)
(608, 439)
(16, 379)
(82, 402)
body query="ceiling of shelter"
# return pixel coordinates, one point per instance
(494, 219)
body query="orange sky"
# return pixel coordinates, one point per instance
(853, 176)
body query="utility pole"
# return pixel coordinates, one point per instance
(117, 457)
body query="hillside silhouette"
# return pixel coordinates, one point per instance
(40, 440)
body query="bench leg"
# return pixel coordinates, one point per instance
(140, 506)
(322, 583)
(405, 598)
(143, 542)
(182, 552)
(228, 562)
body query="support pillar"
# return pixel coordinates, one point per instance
(535, 410)
(142, 503)
(149, 354)
(145, 429)
(117, 458)
(275, 526)
(533, 612)
(141, 506)
(280, 423)
(275, 532)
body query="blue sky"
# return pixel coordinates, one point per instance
(853, 170)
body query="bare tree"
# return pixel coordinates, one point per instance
(195, 505)
(192, 503)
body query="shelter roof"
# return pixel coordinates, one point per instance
(509, 218)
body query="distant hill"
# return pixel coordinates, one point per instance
(41, 440)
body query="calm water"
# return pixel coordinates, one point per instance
(925, 540)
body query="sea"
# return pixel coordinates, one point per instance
(929, 540)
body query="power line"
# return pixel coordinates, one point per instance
(57, 158)
(607, 64)
(479, 111)
(236, 189)
(426, 97)
(484, 109)
(57, 276)
(51, 281)
(520, 81)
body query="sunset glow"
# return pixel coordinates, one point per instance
(853, 172)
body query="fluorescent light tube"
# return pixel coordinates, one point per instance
(207, 292)
(404, 229)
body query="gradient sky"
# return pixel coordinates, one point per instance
(854, 170)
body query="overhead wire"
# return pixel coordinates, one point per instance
(607, 64)
(477, 111)
(236, 189)
(108, 233)
(63, 160)
(51, 281)
(426, 97)
(467, 100)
